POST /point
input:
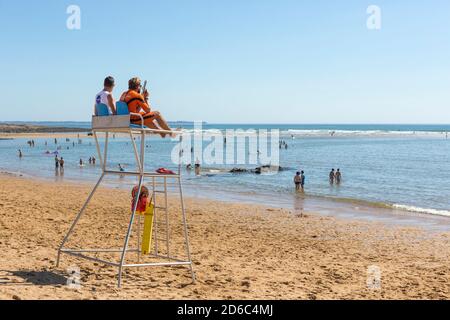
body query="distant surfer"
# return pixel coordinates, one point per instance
(20, 153)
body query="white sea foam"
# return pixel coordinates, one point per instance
(361, 133)
(436, 212)
(326, 133)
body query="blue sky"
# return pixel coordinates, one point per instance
(247, 61)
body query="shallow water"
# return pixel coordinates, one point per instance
(406, 168)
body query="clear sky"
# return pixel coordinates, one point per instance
(221, 61)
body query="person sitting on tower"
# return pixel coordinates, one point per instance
(138, 103)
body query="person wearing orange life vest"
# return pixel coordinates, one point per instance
(138, 103)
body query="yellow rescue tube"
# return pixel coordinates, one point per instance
(148, 229)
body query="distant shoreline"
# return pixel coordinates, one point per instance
(27, 128)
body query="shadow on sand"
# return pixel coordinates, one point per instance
(42, 278)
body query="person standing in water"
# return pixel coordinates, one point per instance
(297, 181)
(197, 167)
(338, 176)
(331, 176)
(81, 162)
(20, 153)
(56, 163)
(61, 164)
(302, 180)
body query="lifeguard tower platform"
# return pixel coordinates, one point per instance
(104, 123)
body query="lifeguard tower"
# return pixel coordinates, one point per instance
(160, 254)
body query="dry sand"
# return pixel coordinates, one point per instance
(240, 251)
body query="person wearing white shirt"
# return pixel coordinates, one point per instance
(105, 96)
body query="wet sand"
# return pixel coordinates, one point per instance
(240, 251)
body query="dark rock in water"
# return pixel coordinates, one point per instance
(238, 170)
(258, 170)
(267, 168)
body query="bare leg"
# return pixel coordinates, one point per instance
(149, 123)
(161, 121)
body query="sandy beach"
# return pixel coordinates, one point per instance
(44, 135)
(239, 251)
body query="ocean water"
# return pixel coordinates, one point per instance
(393, 166)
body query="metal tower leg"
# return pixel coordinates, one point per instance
(78, 218)
(130, 226)
(186, 236)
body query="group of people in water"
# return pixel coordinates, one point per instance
(59, 163)
(91, 160)
(282, 144)
(196, 167)
(335, 177)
